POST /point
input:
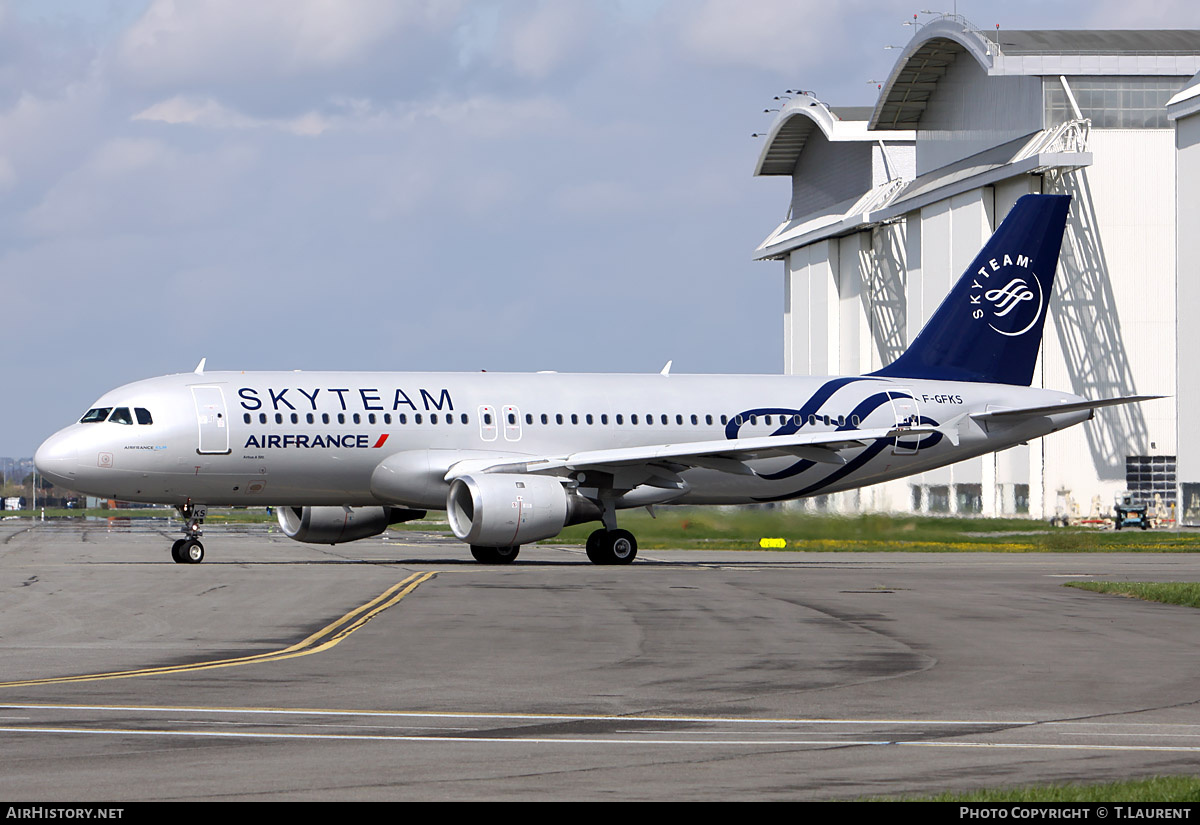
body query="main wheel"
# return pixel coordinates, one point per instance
(621, 547)
(191, 551)
(494, 555)
(612, 547)
(594, 540)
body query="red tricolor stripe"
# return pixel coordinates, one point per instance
(382, 439)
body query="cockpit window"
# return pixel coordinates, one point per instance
(95, 414)
(143, 415)
(121, 416)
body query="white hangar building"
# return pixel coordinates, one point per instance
(889, 205)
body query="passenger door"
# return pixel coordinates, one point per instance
(211, 420)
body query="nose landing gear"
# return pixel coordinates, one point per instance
(189, 550)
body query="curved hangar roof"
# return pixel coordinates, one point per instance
(795, 125)
(1166, 52)
(921, 65)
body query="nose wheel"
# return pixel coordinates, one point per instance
(189, 550)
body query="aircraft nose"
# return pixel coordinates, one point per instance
(58, 459)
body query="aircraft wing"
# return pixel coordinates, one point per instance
(725, 455)
(1051, 409)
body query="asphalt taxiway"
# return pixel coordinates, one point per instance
(400, 669)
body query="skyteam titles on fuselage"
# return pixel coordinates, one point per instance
(368, 399)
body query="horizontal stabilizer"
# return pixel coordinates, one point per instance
(953, 428)
(1053, 409)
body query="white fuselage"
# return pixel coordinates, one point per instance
(321, 438)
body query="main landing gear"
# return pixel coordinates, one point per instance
(608, 545)
(494, 555)
(603, 547)
(611, 547)
(189, 550)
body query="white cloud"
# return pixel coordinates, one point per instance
(490, 117)
(124, 156)
(141, 186)
(774, 35)
(8, 177)
(222, 40)
(38, 135)
(538, 43)
(485, 117)
(207, 112)
(1161, 14)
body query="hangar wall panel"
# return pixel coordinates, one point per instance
(895, 160)
(828, 173)
(1111, 330)
(854, 344)
(1187, 176)
(1017, 465)
(884, 293)
(972, 112)
(1187, 329)
(952, 231)
(811, 324)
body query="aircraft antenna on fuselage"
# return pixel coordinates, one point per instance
(667, 369)
(199, 370)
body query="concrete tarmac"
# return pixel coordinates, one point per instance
(400, 669)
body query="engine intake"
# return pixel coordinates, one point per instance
(508, 509)
(335, 525)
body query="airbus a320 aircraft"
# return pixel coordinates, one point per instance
(514, 458)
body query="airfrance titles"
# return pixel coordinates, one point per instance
(317, 441)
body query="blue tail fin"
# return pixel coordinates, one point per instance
(989, 328)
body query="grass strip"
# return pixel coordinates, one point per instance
(1183, 593)
(1152, 790)
(742, 528)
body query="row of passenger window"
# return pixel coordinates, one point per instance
(544, 418)
(117, 415)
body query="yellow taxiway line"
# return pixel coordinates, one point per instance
(324, 639)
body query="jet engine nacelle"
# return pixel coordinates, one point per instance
(334, 525)
(509, 509)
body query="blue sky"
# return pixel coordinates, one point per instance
(409, 184)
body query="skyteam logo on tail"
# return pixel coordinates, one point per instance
(1007, 295)
(989, 328)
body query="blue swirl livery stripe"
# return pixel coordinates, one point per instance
(864, 408)
(810, 407)
(922, 443)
